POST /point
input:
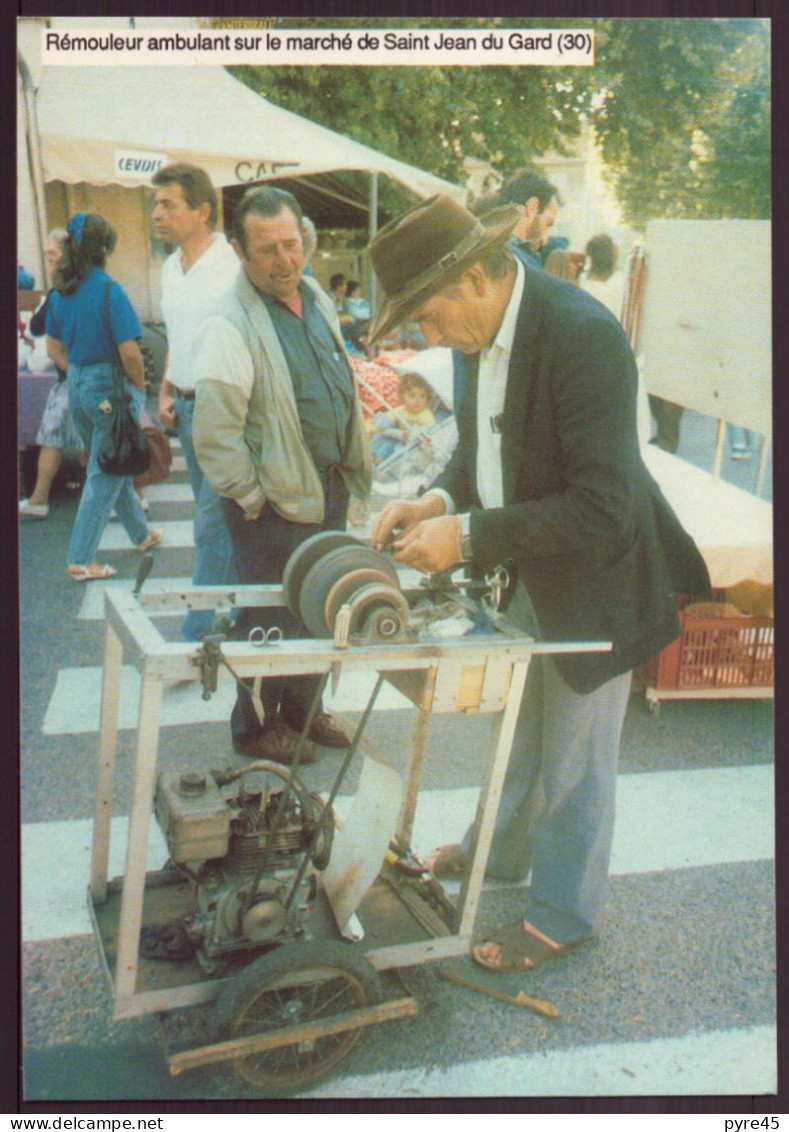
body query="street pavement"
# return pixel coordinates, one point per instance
(676, 999)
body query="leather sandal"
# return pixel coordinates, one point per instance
(153, 539)
(521, 949)
(448, 862)
(93, 573)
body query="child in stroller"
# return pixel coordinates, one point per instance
(396, 429)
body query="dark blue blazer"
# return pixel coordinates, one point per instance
(595, 542)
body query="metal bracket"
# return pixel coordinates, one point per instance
(209, 657)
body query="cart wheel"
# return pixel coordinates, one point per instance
(297, 983)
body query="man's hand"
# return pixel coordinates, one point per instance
(401, 516)
(167, 413)
(431, 545)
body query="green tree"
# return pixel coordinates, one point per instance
(680, 109)
(681, 112)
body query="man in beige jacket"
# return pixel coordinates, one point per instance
(279, 434)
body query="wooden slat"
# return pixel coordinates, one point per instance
(291, 1035)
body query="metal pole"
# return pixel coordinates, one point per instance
(372, 286)
(35, 159)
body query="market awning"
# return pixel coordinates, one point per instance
(117, 125)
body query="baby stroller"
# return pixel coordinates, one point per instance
(412, 467)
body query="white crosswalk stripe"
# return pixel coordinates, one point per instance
(176, 533)
(75, 703)
(726, 1062)
(660, 825)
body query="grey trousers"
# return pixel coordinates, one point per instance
(556, 816)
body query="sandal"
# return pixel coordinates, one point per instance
(521, 949)
(94, 573)
(168, 941)
(153, 539)
(447, 862)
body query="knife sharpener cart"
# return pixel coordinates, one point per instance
(477, 673)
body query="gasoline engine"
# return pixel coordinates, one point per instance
(253, 855)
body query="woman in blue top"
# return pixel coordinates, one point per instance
(82, 340)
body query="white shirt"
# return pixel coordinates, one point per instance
(494, 364)
(610, 292)
(188, 298)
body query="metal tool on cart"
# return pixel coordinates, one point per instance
(268, 904)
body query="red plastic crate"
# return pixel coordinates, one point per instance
(715, 652)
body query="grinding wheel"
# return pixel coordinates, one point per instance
(304, 557)
(346, 587)
(379, 612)
(327, 571)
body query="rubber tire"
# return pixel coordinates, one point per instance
(304, 557)
(280, 1071)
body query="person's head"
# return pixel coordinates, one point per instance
(414, 392)
(600, 254)
(267, 237)
(89, 240)
(186, 204)
(309, 238)
(539, 200)
(337, 284)
(560, 263)
(442, 267)
(53, 248)
(351, 288)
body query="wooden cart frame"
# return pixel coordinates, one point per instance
(477, 673)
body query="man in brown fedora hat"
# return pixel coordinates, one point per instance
(547, 479)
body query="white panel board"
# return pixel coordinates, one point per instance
(706, 326)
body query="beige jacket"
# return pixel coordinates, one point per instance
(246, 427)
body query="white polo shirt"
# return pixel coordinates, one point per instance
(188, 298)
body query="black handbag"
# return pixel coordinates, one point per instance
(124, 448)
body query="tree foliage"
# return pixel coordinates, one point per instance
(686, 132)
(680, 109)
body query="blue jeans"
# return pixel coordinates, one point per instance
(740, 439)
(92, 396)
(213, 561)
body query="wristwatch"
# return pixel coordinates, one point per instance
(466, 552)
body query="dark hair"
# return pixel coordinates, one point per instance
(413, 381)
(96, 241)
(522, 186)
(353, 285)
(336, 280)
(601, 251)
(263, 201)
(195, 185)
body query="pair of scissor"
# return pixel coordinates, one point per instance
(259, 637)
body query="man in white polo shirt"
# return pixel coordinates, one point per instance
(194, 277)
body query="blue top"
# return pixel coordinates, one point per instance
(77, 321)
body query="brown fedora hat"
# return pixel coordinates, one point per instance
(420, 252)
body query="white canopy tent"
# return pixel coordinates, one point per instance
(88, 116)
(112, 127)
